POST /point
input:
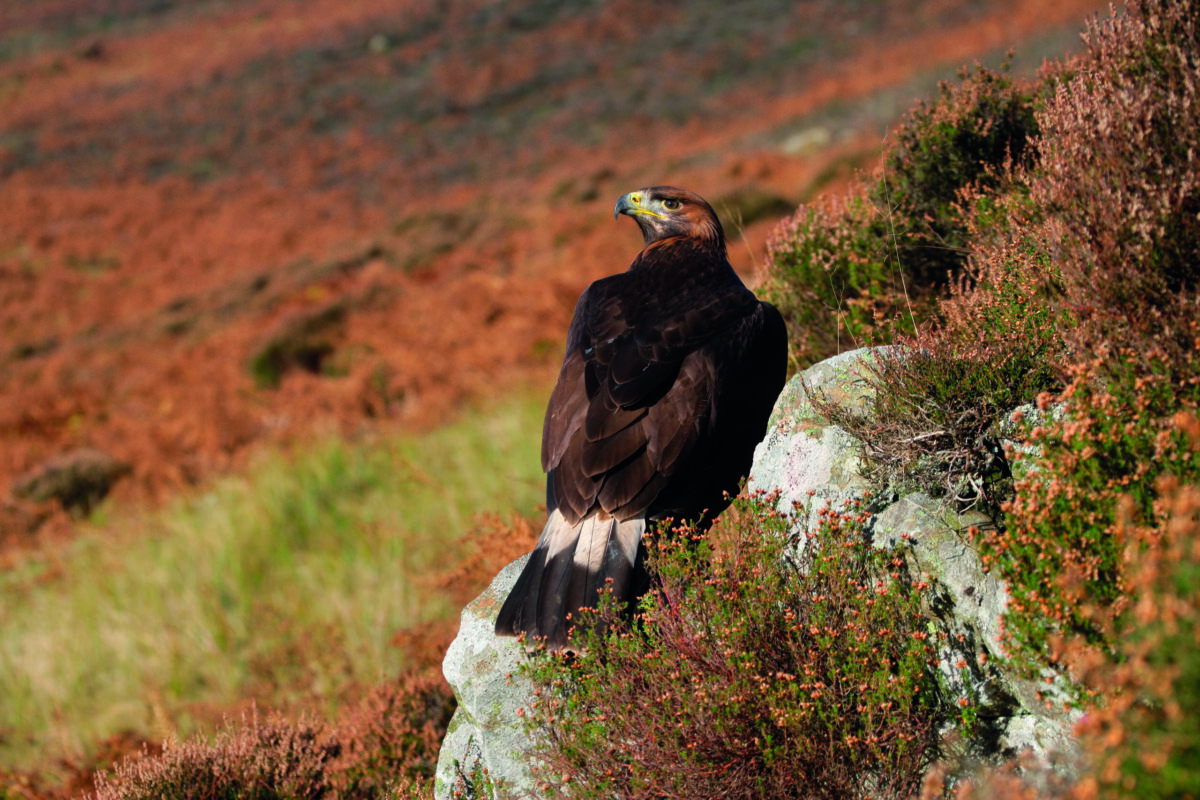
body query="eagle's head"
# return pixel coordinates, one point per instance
(664, 212)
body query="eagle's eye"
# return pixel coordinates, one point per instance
(670, 204)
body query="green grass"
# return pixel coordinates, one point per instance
(285, 584)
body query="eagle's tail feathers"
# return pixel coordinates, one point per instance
(566, 571)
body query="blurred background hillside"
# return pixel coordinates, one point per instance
(302, 271)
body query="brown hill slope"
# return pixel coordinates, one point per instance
(223, 223)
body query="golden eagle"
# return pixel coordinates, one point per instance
(671, 371)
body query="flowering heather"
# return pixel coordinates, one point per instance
(1119, 179)
(847, 271)
(757, 668)
(1083, 268)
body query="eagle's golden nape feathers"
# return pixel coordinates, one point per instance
(670, 374)
(665, 212)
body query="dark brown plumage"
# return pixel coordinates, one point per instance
(670, 374)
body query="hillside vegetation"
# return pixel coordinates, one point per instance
(329, 571)
(230, 223)
(259, 251)
(1075, 287)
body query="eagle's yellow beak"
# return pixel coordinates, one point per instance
(631, 204)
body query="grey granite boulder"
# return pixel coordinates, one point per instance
(808, 461)
(1014, 716)
(486, 732)
(813, 463)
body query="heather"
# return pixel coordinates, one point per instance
(1070, 328)
(383, 747)
(849, 270)
(761, 665)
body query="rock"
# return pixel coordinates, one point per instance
(1013, 717)
(808, 461)
(942, 551)
(79, 479)
(486, 732)
(813, 463)
(807, 141)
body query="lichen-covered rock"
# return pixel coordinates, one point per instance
(813, 463)
(1012, 715)
(486, 733)
(808, 461)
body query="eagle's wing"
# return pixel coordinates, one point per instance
(669, 377)
(636, 392)
(635, 399)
